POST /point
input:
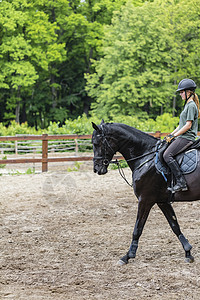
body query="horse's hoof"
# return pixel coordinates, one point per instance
(121, 263)
(189, 259)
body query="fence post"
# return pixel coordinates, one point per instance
(157, 134)
(44, 153)
(16, 148)
(76, 148)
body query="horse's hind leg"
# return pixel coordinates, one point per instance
(169, 213)
(142, 215)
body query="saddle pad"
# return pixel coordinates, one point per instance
(187, 162)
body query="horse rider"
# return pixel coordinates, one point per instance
(185, 134)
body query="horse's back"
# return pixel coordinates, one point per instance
(192, 179)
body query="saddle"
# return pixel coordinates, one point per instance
(187, 160)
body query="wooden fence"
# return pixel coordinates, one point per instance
(45, 138)
(44, 159)
(35, 146)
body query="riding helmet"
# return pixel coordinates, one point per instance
(186, 84)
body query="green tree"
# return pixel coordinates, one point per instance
(46, 47)
(28, 46)
(83, 34)
(17, 72)
(143, 58)
(185, 55)
(81, 28)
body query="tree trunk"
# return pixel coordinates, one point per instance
(86, 104)
(17, 112)
(17, 109)
(23, 114)
(53, 92)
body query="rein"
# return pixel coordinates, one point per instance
(120, 169)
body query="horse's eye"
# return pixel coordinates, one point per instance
(96, 141)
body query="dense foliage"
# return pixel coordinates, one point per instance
(46, 46)
(147, 51)
(82, 125)
(105, 58)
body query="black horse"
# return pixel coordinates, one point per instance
(138, 148)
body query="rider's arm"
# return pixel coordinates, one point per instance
(185, 128)
(175, 130)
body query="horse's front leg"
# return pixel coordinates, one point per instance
(142, 215)
(169, 213)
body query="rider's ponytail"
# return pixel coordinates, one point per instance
(196, 100)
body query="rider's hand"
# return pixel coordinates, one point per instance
(169, 138)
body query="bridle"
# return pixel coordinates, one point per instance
(106, 161)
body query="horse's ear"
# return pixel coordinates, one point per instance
(102, 121)
(95, 126)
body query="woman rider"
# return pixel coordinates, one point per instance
(184, 135)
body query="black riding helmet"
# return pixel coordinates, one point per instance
(186, 84)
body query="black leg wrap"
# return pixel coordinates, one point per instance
(186, 245)
(133, 249)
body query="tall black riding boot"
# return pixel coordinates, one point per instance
(181, 184)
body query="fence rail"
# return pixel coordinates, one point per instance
(45, 149)
(20, 147)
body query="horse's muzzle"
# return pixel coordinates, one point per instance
(100, 170)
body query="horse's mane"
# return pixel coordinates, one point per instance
(129, 132)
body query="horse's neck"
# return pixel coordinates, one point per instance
(132, 142)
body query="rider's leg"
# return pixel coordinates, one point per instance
(177, 146)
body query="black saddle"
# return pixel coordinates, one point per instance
(187, 160)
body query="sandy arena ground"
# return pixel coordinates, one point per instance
(62, 233)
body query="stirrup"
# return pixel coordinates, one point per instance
(179, 189)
